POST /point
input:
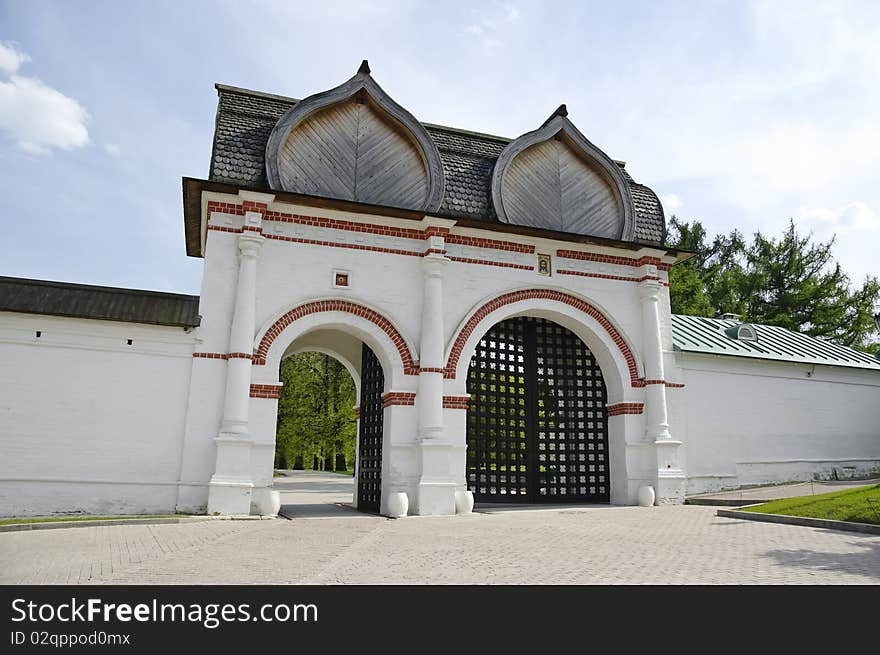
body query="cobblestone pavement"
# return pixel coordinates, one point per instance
(606, 545)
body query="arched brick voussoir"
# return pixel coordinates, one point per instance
(541, 294)
(318, 306)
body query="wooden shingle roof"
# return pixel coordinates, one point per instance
(246, 118)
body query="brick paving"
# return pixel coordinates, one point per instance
(604, 545)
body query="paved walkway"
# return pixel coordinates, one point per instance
(604, 545)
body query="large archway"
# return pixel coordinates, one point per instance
(537, 426)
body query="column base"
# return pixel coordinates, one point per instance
(265, 501)
(436, 498)
(229, 497)
(671, 477)
(671, 487)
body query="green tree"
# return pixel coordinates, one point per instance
(315, 412)
(789, 281)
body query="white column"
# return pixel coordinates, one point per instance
(231, 484)
(436, 493)
(670, 478)
(656, 419)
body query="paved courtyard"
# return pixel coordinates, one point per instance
(333, 544)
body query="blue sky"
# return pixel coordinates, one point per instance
(741, 114)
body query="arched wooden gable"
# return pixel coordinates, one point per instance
(554, 178)
(355, 143)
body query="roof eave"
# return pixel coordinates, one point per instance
(192, 218)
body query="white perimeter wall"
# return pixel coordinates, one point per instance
(746, 421)
(89, 423)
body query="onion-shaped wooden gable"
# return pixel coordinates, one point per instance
(355, 143)
(555, 179)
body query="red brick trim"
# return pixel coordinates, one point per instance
(456, 402)
(618, 409)
(543, 294)
(240, 356)
(369, 228)
(222, 228)
(671, 385)
(211, 355)
(409, 366)
(398, 398)
(350, 246)
(272, 391)
(622, 278)
(494, 244)
(486, 262)
(613, 259)
(425, 369)
(251, 206)
(434, 251)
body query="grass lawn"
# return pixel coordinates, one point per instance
(852, 505)
(57, 519)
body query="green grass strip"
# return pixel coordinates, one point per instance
(860, 505)
(59, 519)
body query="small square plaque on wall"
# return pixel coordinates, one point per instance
(340, 279)
(544, 265)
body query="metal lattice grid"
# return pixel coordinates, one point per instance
(537, 421)
(369, 484)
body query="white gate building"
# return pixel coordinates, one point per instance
(502, 305)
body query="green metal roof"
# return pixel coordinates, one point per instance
(697, 334)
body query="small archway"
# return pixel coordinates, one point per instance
(330, 425)
(537, 425)
(369, 347)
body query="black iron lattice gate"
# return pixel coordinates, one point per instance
(537, 422)
(369, 482)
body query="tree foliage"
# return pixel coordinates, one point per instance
(316, 419)
(789, 281)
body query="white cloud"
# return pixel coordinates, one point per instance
(670, 202)
(112, 149)
(36, 116)
(852, 217)
(11, 58)
(489, 26)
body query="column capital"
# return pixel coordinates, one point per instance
(249, 244)
(434, 264)
(650, 290)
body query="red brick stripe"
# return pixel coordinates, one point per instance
(612, 259)
(671, 385)
(625, 408)
(398, 398)
(604, 276)
(240, 356)
(350, 246)
(409, 367)
(455, 402)
(211, 355)
(369, 228)
(494, 244)
(425, 369)
(543, 294)
(486, 262)
(272, 391)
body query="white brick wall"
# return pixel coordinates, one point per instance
(87, 422)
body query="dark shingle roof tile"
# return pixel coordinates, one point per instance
(246, 118)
